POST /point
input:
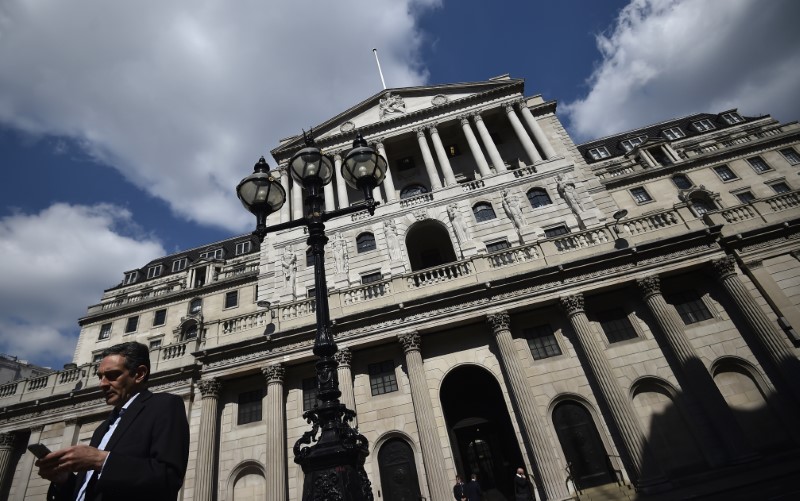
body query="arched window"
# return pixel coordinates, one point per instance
(483, 211)
(538, 198)
(189, 331)
(412, 190)
(681, 181)
(701, 205)
(195, 306)
(365, 242)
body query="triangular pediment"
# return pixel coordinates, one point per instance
(390, 108)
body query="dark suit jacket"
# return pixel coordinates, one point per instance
(148, 454)
(459, 491)
(523, 489)
(473, 490)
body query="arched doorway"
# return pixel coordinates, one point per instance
(480, 429)
(581, 444)
(429, 245)
(398, 471)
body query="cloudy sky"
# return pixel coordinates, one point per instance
(125, 126)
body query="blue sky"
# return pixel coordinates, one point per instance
(124, 127)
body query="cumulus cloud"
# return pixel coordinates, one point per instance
(54, 265)
(669, 58)
(183, 96)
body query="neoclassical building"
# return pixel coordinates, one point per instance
(623, 311)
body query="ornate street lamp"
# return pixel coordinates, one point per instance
(332, 453)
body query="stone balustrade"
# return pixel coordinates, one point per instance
(245, 322)
(414, 201)
(505, 257)
(367, 292)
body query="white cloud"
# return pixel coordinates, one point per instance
(53, 265)
(183, 96)
(669, 58)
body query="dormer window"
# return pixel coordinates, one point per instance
(673, 133)
(131, 277)
(599, 153)
(179, 264)
(732, 118)
(154, 271)
(703, 125)
(212, 254)
(629, 144)
(243, 247)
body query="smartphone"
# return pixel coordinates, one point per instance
(39, 450)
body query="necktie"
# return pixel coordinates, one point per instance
(113, 421)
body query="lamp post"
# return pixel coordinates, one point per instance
(332, 453)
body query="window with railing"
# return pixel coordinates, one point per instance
(745, 197)
(497, 246)
(556, 231)
(780, 187)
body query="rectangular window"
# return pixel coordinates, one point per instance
(232, 299)
(406, 163)
(674, 133)
(690, 307)
(131, 277)
(382, 378)
(160, 317)
(179, 264)
(599, 153)
(497, 246)
(154, 271)
(105, 331)
(745, 197)
(132, 324)
(629, 144)
(725, 173)
(542, 342)
(780, 187)
(616, 325)
(791, 156)
(310, 394)
(369, 278)
(732, 118)
(452, 150)
(555, 231)
(703, 125)
(249, 408)
(212, 254)
(660, 156)
(758, 164)
(640, 195)
(155, 344)
(96, 358)
(243, 247)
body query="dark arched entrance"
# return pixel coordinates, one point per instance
(398, 471)
(480, 429)
(429, 245)
(581, 444)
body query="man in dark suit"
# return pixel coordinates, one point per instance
(459, 490)
(473, 489)
(523, 488)
(140, 452)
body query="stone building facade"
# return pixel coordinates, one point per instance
(624, 310)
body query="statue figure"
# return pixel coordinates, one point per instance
(289, 264)
(391, 104)
(566, 189)
(513, 209)
(341, 259)
(392, 242)
(459, 228)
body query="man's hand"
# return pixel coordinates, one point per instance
(57, 465)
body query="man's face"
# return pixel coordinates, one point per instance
(520, 472)
(117, 383)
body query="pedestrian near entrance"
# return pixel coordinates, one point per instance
(473, 489)
(523, 488)
(460, 489)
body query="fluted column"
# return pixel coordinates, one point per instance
(699, 388)
(430, 167)
(475, 148)
(344, 357)
(204, 484)
(538, 134)
(330, 202)
(297, 201)
(552, 477)
(26, 468)
(438, 483)
(286, 214)
(7, 441)
(276, 432)
(341, 185)
(444, 161)
(388, 182)
(615, 399)
(772, 340)
(488, 143)
(522, 134)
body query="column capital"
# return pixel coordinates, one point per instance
(432, 128)
(464, 119)
(498, 321)
(520, 102)
(210, 387)
(724, 267)
(7, 439)
(337, 156)
(420, 131)
(573, 304)
(411, 341)
(509, 107)
(344, 356)
(379, 142)
(649, 285)
(274, 373)
(476, 117)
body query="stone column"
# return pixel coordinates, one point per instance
(441, 154)
(297, 201)
(26, 467)
(432, 457)
(7, 441)
(536, 129)
(430, 167)
(611, 393)
(276, 432)
(388, 183)
(700, 391)
(344, 356)
(488, 143)
(204, 482)
(522, 134)
(341, 185)
(475, 148)
(551, 475)
(330, 202)
(286, 214)
(771, 339)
